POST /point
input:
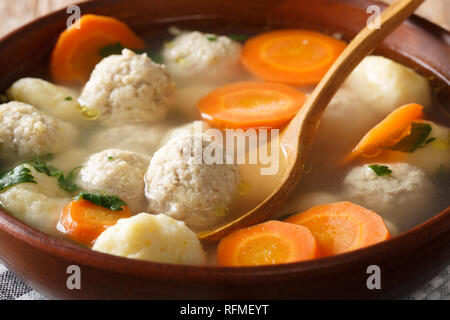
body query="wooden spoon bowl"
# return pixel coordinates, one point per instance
(406, 261)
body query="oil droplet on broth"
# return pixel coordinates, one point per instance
(244, 188)
(439, 144)
(222, 211)
(89, 113)
(307, 168)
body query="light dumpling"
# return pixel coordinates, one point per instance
(150, 237)
(434, 157)
(39, 204)
(58, 101)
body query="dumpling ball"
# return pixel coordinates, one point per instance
(183, 183)
(116, 172)
(139, 138)
(58, 101)
(401, 197)
(39, 204)
(154, 238)
(434, 158)
(202, 56)
(385, 85)
(128, 88)
(26, 132)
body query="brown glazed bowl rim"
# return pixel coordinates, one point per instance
(65, 249)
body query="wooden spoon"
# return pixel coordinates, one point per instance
(297, 137)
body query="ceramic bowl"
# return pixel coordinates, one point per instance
(406, 261)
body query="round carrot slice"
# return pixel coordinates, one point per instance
(342, 226)
(251, 105)
(299, 57)
(386, 133)
(84, 221)
(271, 242)
(77, 50)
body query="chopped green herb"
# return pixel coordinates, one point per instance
(237, 37)
(109, 202)
(110, 158)
(428, 141)
(111, 49)
(380, 170)
(212, 39)
(68, 98)
(415, 140)
(3, 99)
(66, 184)
(156, 57)
(19, 174)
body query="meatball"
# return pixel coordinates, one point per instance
(37, 205)
(58, 101)
(116, 172)
(434, 158)
(401, 197)
(128, 88)
(153, 238)
(202, 56)
(26, 132)
(186, 187)
(142, 139)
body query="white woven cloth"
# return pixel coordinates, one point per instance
(11, 288)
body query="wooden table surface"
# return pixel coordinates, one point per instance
(14, 13)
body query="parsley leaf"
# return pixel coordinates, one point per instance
(380, 170)
(68, 98)
(111, 49)
(415, 140)
(19, 174)
(67, 184)
(3, 99)
(237, 37)
(109, 202)
(212, 39)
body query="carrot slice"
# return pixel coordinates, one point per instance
(388, 132)
(77, 50)
(84, 221)
(342, 226)
(251, 105)
(299, 57)
(271, 242)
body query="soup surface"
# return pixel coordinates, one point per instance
(131, 147)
